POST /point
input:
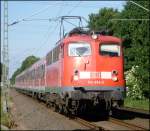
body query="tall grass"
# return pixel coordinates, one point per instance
(139, 104)
(5, 116)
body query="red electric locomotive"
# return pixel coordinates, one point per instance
(88, 72)
(83, 72)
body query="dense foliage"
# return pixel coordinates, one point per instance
(136, 40)
(133, 83)
(25, 64)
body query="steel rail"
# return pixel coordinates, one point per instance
(93, 126)
(89, 124)
(130, 109)
(126, 124)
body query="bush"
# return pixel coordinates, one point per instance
(134, 83)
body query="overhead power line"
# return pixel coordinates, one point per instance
(36, 19)
(47, 34)
(131, 19)
(45, 19)
(33, 14)
(139, 5)
(54, 29)
(72, 9)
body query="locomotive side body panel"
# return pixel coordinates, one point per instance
(54, 70)
(53, 75)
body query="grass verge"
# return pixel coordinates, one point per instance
(139, 104)
(5, 116)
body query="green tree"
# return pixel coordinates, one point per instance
(25, 64)
(28, 62)
(136, 34)
(103, 20)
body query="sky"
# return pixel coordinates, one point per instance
(39, 37)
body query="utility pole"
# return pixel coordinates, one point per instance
(5, 54)
(5, 45)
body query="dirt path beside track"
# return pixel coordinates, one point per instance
(29, 114)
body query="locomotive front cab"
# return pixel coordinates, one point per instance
(93, 71)
(94, 63)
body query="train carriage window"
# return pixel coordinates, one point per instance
(49, 58)
(79, 49)
(34, 74)
(38, 72)
(109, 49)
(43, 71)
(62, 50)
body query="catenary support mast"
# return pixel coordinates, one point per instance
(5, 55)
(5, 50)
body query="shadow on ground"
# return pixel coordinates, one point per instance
(122, 115)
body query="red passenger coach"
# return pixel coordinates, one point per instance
(83, 72)
(33, 79)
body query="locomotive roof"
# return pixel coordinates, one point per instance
(85, 34)
(87, 37)
(101, 38)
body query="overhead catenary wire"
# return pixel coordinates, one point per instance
(133, 19)
(51, 32)
(22, 53)
(69, 12)
(72, 9)
(130, 19)
(44, 35)
(35, 50)
(44, 43)
(43, 19)
(52, 19)
(70, 23)
(33, 14)
(57, 19)
(139, 5)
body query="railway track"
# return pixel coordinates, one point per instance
(89, 124)
(135, 110)
(93, 126)
(126, 124)
(125, 112)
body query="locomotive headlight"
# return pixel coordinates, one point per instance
(115, 72)
(114, 78)
(75, 77)
(94, 36)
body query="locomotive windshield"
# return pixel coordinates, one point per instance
(79, 49)
(110, 49)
